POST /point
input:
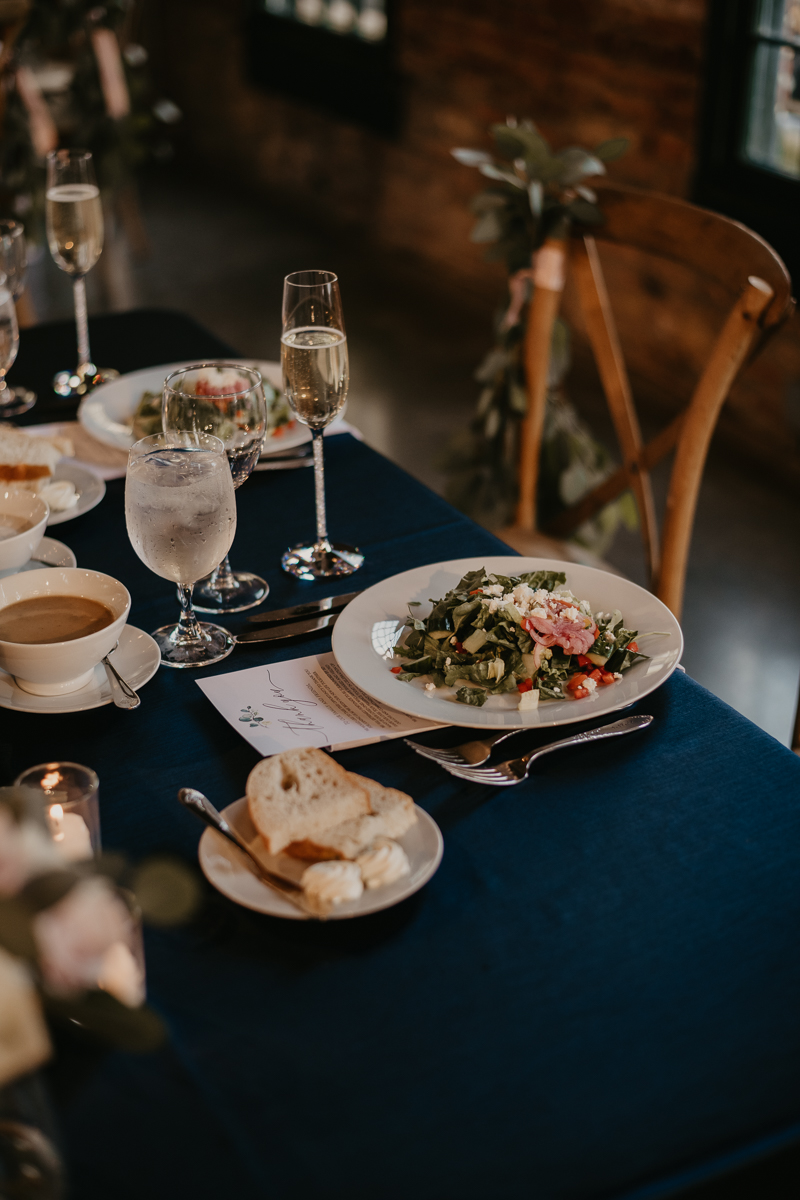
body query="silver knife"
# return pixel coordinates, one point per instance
(277, 632)
(309, 609)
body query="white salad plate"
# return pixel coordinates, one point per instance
(227, 868)
(49, 553)
(137, 658)
(365, 635)
(107, 412)
(90, 488)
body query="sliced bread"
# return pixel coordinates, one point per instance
(295, 797)
(392, 815)
(27, 461)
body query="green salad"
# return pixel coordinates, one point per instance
(528, 634)
(147, 418)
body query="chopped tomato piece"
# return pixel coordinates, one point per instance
(576, 681)
(476, 591)
(595, 674)
(633, 647)
(580, 693)
(396, 670)
(583, 661)
(459, 648)
(606, 677)
(525, 685)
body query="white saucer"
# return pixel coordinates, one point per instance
(50, 553)
(90, 488)
(226, 867)
(137, 658)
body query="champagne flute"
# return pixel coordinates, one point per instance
(227, 401)
(315, 379)
(13, 262)
(74, 217)
(180, 510)
(9, 344)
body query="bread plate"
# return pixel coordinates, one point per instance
(365, 634)
(107, 412)
(226, 868)
(89, 487)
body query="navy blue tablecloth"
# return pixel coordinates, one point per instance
(596, 995)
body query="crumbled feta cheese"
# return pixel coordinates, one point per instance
(529, 700)
(617, 675)
(430, 687)
(590, 685)
(447, 662)
(540, 612)
(571, 614)
(493, 589)
(453, 641)
(494, 605)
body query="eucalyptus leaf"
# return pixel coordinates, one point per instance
(611, 149)
(471, 158)
(493, 172)
(536, 196)
(487, 229)
(138, 1030)
(588, 214)
(578, 164)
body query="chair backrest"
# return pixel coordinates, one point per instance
(721, 252)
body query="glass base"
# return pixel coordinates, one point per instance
(248, 591)
(83, 379)
(15, 400)
(311, 562)
(177, 651)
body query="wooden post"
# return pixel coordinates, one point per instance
(548, 281)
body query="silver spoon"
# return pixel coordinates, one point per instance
(202, 807)
(122, 693)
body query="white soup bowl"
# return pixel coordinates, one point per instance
(54, 668)
(25, 512)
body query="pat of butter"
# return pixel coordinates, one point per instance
(59, 495)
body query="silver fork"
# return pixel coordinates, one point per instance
(516, 769)
(468, 754)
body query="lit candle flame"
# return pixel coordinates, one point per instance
(56, 815)
(49, 781)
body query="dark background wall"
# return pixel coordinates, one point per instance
(584, 70)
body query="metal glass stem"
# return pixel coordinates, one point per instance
(81, 321)
(319, 491)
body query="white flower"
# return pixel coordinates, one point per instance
(25, 851)
(74, 935)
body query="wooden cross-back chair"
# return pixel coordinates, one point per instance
(721, 252)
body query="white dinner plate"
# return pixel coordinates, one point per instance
(49, 553)
(137, 658)
(366, 632)
(226, 867)
(90, 488)
(107, 412)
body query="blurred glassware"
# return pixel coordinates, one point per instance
(74, 215)
(9, 344)
(315, 380)
(227, 401)
(13, 263)
(180, 509)
(70, 799)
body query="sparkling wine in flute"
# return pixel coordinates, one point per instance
(315, 372)
(75, 226)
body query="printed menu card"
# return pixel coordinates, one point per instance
(305, 702)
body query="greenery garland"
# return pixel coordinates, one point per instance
(534, 194)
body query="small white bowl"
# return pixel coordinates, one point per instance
(26, 512)
(54, 668)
